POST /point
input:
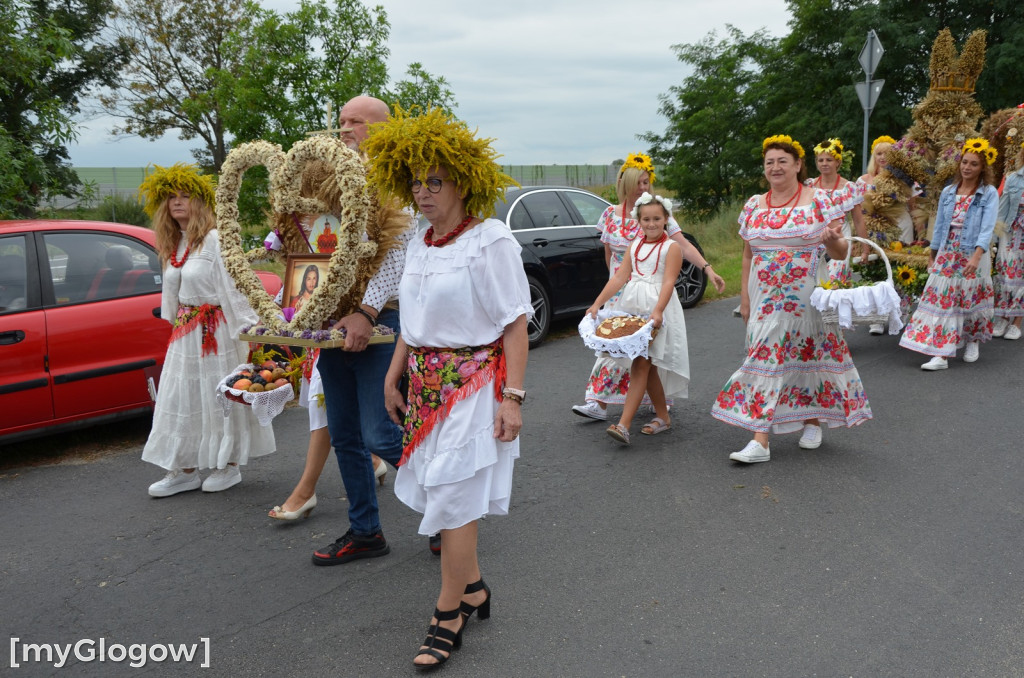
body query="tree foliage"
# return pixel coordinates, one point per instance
(802, 84)
(51, 55)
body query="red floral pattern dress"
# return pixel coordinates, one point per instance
(1008, 275)
(954, 308)
(609, 378)
(796, 367)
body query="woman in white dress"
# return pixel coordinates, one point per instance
(464, 305)
(199, 298)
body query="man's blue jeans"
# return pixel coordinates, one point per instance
(358, 422)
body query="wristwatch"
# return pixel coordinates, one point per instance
(514, 394)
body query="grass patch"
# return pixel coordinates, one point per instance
(723, 248)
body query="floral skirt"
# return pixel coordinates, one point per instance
(1008, 274)
(954, 308)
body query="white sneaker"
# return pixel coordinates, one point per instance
(1012, 333)
(936, 363)
(222, 479)
(591, 410)
(876, 328)
(174, 482)
(811, 437)
(971, 353)
(752, 453)
(999, 327)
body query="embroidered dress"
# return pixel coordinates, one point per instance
(189, 428)
(453, 297)
(609, 378)
(796, 368)
(668, 352)
(954, 308)
(1008, 275)
(847, 197)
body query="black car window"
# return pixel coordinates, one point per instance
(547, 210)
(13, 274)
(590, 207)
(518, 218)
(94, 266)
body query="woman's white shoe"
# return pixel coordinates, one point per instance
(971, 352)
(1012, 333)
(936, 363)
(303, 511)
(752, 453)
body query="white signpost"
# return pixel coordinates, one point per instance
(869, 90)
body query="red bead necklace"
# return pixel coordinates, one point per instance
(794, 199)
(184, 257)
(817, 182)
(428, 237)
(655, 245)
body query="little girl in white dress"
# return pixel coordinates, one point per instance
(647, 279)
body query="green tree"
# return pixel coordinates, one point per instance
(51, 55)
(710, 149)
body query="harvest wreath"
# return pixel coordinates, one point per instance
(354, 208)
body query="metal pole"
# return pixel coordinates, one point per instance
(868, 72)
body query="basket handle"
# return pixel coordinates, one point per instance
(881, 253)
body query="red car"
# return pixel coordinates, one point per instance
(80, 327)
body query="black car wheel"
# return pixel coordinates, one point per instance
(692, 282)
(539, 325)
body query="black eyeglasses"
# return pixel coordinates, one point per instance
(433, 185)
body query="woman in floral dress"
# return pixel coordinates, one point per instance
(609, 379)
(955, 310)
(797, 373)
(1008, 277)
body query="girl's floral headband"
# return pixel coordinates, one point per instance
(884, 139)
(982, 148)
(647, 199)
(640, 161)
(833, 147)
(782, 139)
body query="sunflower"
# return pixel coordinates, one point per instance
(782, 139)
(641, 162)
(905, 275)
(990, 155)
(884, 139)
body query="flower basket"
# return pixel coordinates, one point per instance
(311, 338)
(265, 404)
(866, 304)
(629, 346)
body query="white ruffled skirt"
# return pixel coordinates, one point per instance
(189, 427)
(460, 472)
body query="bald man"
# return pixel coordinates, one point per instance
(353, 381)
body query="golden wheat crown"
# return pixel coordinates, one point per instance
(950, 72)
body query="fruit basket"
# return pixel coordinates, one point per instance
(247, 385)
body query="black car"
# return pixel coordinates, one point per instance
(563, 254)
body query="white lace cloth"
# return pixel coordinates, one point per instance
(265, 404)
(877, 299)
(631, 346)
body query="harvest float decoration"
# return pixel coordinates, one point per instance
(317, 176)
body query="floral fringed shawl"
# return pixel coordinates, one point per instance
(189, 318)
(441, 377)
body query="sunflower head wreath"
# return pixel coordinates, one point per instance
(406, 146)
(782, 140)
(833, 147)
(982, 148)
(163, 182)
(884, 139)
(641, 162)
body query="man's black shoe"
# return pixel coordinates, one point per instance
(352, 547)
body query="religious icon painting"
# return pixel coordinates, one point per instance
(323, 235)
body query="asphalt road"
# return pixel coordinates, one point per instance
(894, 550)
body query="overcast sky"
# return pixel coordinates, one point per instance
(552, 81)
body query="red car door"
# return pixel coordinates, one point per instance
(103, 335)
(24, 382)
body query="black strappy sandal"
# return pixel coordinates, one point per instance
(484, 608)
(440, 639)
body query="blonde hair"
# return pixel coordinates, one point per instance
(872, 169)
(168, 233)
(627, 183)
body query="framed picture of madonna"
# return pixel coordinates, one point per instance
(303, 275)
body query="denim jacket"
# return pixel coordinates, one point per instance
(1010, 199)
(979, 222)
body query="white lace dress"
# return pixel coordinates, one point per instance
(463, 294)
(668, 352)
(189, 427)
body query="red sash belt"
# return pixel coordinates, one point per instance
(207, 316)
(441, 377)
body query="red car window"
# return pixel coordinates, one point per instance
(95, 266)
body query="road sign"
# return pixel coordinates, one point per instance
(871, 53)
(868, 93)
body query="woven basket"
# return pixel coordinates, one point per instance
(831, 316)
